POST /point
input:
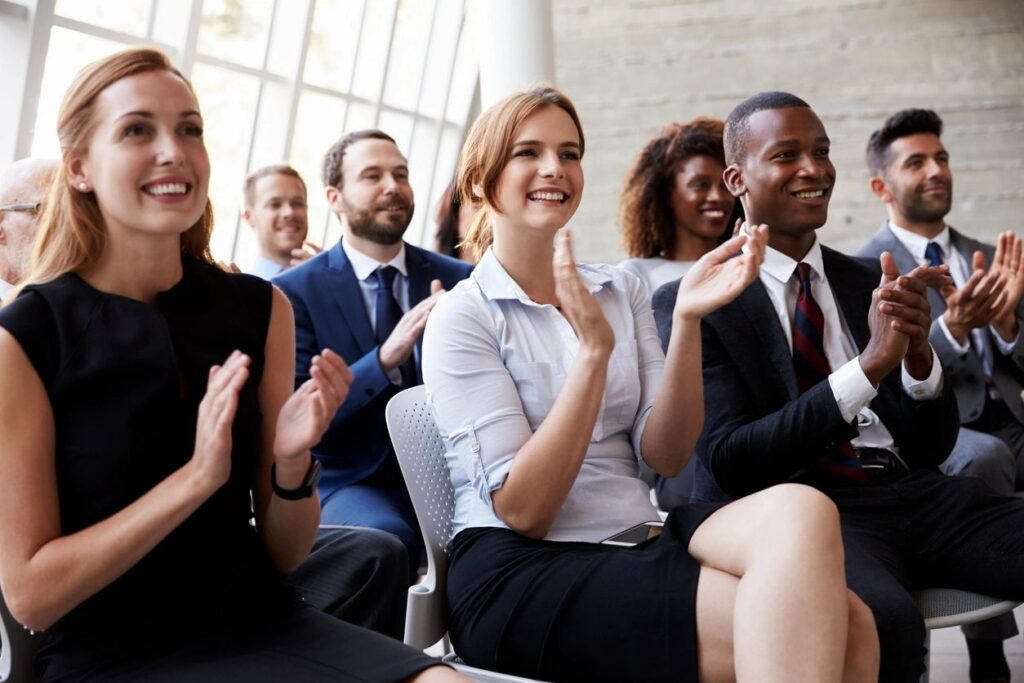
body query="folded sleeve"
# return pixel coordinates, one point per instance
(474, 398)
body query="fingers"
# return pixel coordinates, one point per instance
(978, 261)
(936, 277)
(436, 287)
(313, 247)
(889, 270)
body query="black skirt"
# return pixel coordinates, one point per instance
(578, 611)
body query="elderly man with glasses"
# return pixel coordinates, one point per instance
(23, 188)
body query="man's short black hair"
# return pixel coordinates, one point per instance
(899, 125)
(737, 128)
(331, 171)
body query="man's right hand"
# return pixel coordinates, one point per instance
(398, 347)
(975, 304)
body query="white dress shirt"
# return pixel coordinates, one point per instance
(365, 267)
(850, 386)
(494, 362)
(5, 287)
(959, 269)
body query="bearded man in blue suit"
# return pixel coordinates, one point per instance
(368, 299)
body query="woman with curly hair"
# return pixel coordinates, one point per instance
(675, 207)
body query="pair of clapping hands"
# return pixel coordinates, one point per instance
(988, 297)
(301, 421)
(713, 281)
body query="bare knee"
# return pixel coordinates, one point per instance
(802, 515)
(862, 646)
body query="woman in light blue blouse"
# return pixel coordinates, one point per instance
(549, 386)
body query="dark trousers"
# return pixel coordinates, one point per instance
(926, 530)
(358, 575)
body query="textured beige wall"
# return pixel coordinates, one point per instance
(633, 66)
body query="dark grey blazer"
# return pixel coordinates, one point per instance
(758, 429)
(965, 373)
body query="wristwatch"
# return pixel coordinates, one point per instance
(305, 489)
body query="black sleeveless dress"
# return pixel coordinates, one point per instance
(125, 379)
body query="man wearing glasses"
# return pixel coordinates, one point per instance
(23, 188)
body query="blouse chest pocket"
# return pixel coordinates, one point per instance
(621, 392)
(538, 385)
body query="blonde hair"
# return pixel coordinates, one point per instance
(488, 148)
(71, 233)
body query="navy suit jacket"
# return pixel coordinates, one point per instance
(330, 313)
(965, 373)
(758, 429)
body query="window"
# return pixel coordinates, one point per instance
(283, 80)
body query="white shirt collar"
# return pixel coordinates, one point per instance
(364, 266)
(780, 267)
(916, 244)
(495, 282)
(5, 287)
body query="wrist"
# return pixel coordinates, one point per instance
(919, 363)
(1006, 327)
(958, 331)
(291, 471)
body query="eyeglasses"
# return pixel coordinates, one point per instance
(32, 207)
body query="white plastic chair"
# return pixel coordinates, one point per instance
(945, 607)
(420, 452)
(17, 649)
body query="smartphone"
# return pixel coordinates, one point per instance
(634, 535)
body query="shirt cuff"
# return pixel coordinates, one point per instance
(852, 389)
(1005, 347)
(927, 388)
(961, 349)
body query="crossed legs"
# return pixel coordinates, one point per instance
(772, 603)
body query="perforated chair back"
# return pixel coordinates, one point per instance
(420, 452)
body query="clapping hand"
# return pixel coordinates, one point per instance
(977, 303)
(721, 274)
(1009, 264)
(576, 302)
(306, 414)
(212, 453)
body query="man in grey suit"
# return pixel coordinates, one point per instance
(976, 324)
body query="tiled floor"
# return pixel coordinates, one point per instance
(949, 654)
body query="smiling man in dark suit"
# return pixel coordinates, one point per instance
(821, 373)
(367, 298)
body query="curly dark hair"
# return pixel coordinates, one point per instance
(899, 125)
(645, 207)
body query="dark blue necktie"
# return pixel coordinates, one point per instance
(933, 253)
(389, 312)
(811, 365)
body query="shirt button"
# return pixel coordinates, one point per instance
(475, 447)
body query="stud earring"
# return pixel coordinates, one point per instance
(83, 186)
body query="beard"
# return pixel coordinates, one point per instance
(387, 231)
(920, 208)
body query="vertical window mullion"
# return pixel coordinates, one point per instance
(387, 63)
(423, 77)
(256, 116)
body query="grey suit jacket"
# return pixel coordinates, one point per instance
(966, 373)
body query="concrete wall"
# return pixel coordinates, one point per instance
(633, 66)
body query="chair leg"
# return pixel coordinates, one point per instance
(927, 656)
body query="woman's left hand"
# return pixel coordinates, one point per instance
(306, 414)
(720, 275)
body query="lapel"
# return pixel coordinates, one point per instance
(420, 273)
(347, 295)
(854, 299)
(758, 315)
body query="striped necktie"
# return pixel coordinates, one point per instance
(811, 365)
